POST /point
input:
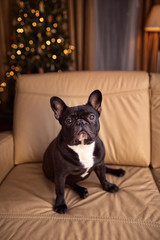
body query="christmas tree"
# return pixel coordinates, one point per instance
(40, 41)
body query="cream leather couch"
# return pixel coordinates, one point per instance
(130, 129)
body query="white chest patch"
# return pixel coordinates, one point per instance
(85, 154)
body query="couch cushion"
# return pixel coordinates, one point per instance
(27, 198)
(156, 176)
(155, 119)
(6, 153)
(125, 118)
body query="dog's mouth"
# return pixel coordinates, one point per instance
(82, 136)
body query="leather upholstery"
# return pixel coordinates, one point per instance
(156, 175)
(155, 119)
(26, 208)
(6, 154)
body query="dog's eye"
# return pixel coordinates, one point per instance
(91, 116)
(68, 121)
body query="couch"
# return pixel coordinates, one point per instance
(130, 130)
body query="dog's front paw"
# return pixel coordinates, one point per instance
(109, 187)
(83, 193)
(60, 208)
(120, 172)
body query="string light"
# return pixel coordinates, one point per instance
(59, 40)
(37, 13)
(14, 46)
(41, 19)
(53, 40)
(8, 74)
(21, 45)
(54, 56)
(27, 49)
(72, 47)
(33, 11)
(19, 52)
(1, 90)
(48, 42)
(32, 50)
(12, 67)
(43, 46)
(25, 15)
(19, 19)
(17, 68)
(65, 51)
(3, 84)
(12, 73)
(30, 42)
(34, 24)
(12, 57)
(20, 30)
(55, 25)
(48, 29)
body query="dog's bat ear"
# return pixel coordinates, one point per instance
(58, 106)
(95, 100)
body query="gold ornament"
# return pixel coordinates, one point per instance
(27, 29)
(21, 4)
(41, 6)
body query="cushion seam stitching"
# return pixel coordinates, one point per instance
(78, 218)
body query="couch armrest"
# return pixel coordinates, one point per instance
(156, 176)
(6, 154)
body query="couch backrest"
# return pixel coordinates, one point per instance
(125, 118)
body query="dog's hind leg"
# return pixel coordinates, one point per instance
(83, 192)
(116, 172)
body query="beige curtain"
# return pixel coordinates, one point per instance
(147, 43)
(81, 25)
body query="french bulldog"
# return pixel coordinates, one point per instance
(77, 150)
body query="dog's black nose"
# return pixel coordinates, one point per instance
(81, 122)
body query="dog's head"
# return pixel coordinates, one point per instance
(80, 124)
